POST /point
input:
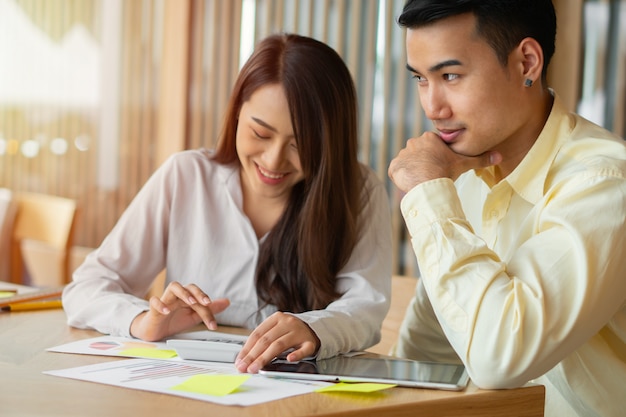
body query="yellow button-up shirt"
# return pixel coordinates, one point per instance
(525, 279)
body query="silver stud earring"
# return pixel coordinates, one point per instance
(528, 82)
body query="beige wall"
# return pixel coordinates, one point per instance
(565, 69)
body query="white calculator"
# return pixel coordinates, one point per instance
(216, 349)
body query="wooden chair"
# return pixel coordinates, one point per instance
(7, 220)
(42, 239)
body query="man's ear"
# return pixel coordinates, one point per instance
(530, 55)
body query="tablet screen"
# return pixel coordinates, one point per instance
(388, 370)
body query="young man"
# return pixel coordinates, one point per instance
(516, 210)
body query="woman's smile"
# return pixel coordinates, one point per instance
(270, 177)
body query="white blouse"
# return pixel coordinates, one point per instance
(188, 218)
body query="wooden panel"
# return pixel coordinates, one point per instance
(213, 67)
(171, 128)
(197, 78)
(565, 69)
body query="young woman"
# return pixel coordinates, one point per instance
(280, 230)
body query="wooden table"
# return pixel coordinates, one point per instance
(26, 391)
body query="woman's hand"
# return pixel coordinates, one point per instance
(178, 309)
(276, 334)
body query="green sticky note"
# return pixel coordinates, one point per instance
(364, 387)
(149, 353)
(216, 385)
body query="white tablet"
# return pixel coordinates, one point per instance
(401, 372)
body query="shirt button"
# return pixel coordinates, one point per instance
(413, 213)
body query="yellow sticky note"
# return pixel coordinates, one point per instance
(216, 385)
(355, 387)
(7, 293)
(149, 353)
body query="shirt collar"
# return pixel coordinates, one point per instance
(529, 177)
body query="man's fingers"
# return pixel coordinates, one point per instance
(484, 160)
(495, 158)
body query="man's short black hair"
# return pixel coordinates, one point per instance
(502, 23)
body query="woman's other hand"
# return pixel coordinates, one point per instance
(275, 335)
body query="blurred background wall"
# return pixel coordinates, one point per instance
(95, 94)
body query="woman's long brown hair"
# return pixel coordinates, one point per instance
(302, 255)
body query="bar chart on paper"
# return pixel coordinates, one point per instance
(164, 369)
(188, 379)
